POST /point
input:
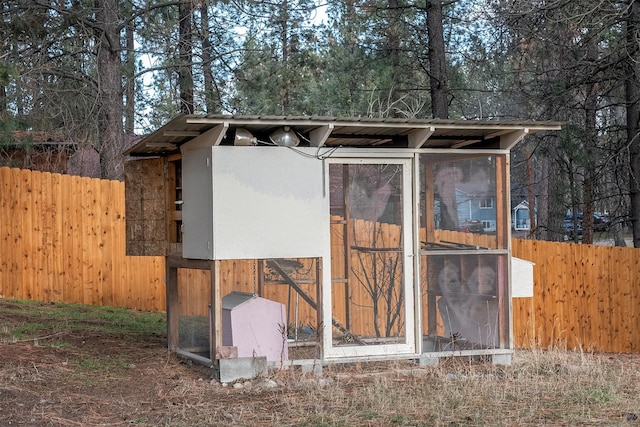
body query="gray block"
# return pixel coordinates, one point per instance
(242, 368)
(428, 360)
(501, 359)
(315, 368)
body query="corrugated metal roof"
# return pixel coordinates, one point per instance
(347, 132)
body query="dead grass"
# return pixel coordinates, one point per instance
(103, 378)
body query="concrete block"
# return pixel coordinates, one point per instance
(428, 360)
(314, 367)
(501, 359)
(242, 368)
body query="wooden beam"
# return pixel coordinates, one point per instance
(191, 133)
(466, 143)
(418, 138)
(320, 135)
(196, 264)
(273, 264)
(209, 138)
(166, 145)
(508, 140)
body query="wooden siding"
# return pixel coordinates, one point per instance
(62, 239)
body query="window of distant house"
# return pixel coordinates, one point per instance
(486, 203)
(489, 225)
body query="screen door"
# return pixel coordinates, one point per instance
(370, 304)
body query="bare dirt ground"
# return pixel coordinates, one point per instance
(65, 373)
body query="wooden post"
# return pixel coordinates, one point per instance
(319, 290)
(503, 241)
(429, 224)
(348, 242)
(216, 308)
(173, 314)
(260, 277)
(502, 204)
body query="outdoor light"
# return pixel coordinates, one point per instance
(244, 138)
(285, 137)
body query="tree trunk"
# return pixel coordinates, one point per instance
(109, 117)
(284, 41)
(393, 55)
(438, 81)
(632, 89)
(590, 142)
(185, 72)
(3, 102)
(211, 105)
(130, 85)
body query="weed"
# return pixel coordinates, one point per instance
(76, 317)
(57, 344)
(27, 331)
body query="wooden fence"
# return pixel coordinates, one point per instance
(62, 240)
(585, 296)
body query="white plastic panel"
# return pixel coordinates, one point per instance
(197, 229)
(521, 278)
(268, 202)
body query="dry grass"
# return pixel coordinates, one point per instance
(102, 378)
(540, 388)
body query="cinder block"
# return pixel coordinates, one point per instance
(501, 359)
(242, 368)
(428, 360)
(315, 367)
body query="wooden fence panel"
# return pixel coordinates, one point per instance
(585, 296)
(62, 239)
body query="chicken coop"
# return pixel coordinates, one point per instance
(379, 238)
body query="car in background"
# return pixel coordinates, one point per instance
(472, 226)
(569, 230)
(600, 222)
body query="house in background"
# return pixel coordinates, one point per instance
(352, 224)
(476, 210)
(51, 152)
(33, 150)
(521, 217)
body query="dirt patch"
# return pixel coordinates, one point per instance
(67, 372)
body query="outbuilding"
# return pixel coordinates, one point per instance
(360, 227)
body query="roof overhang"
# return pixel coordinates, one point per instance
(337, 132)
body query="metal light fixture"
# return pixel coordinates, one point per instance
(284, 137)
(244, 138)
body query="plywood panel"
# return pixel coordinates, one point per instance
(146, 207)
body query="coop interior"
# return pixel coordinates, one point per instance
(435, 280)
(464, 252)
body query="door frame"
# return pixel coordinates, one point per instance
(409, 346)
